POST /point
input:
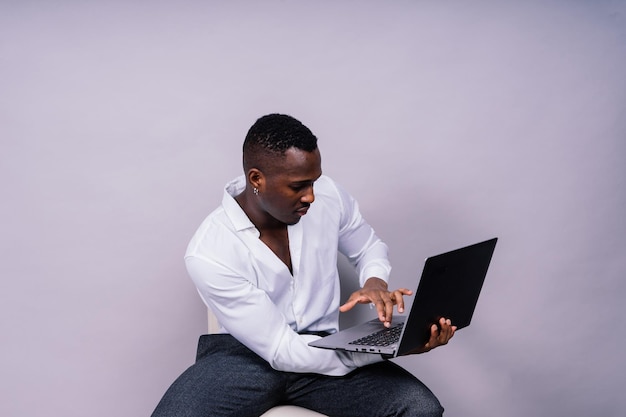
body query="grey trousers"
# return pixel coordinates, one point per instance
(228, 379)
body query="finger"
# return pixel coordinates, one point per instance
(446, 331)
(383, 311)
(348, 305)
(402, 292)
(405, 291)
(434, 334)
(443, 330)
(398, 298)
(389, 303)
(432, 341)
(384, 307)
(452, 330)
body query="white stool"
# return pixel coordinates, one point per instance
(291, 411)
(281, 410)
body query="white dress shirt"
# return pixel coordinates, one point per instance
(257, 300)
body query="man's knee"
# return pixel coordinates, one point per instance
(419, 402)
(422, 409)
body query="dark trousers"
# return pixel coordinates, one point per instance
(228, 379)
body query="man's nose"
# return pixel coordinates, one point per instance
(309, 195)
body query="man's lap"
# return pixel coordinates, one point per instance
(229, 379)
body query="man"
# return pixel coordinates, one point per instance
(265, 262)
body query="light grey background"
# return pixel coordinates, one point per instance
(450, 121)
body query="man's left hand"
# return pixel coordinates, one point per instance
(375, 291)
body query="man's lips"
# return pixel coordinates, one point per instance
(302, 210)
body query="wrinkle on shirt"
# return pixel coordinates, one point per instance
(256, 298)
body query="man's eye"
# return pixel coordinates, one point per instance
(300, 187)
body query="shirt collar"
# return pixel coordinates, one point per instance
(234, 212)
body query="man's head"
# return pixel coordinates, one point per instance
(281, 162)
(269, 138)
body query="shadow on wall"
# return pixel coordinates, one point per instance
(350, 283)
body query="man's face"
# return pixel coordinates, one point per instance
(288, 189)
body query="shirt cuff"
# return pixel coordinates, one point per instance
(374, 270)
(363, 359)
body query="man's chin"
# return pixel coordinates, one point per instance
(293, 221)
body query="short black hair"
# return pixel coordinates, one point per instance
(272, 135)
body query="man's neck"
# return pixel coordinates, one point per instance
(273, 233)
(263, 222)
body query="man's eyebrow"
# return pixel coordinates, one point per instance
(301, 183)
(305, 181)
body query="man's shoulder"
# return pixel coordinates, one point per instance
(212, 233)
(327, 186)
(329, 190)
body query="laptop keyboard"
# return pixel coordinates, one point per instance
(385, 337)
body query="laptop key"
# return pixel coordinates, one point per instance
(384, 337)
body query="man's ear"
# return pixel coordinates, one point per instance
(256, 178)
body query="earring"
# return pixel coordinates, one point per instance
(255, 191)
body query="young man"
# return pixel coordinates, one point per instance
(265, 262)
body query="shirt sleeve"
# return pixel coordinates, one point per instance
(359, 243)
(247, 313)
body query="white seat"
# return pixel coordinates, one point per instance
(291, 411)
(281, 410)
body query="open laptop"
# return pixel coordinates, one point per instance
(449, 287)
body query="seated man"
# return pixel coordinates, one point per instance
(265, 262)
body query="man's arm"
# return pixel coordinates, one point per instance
(369, 255)
(248, 314)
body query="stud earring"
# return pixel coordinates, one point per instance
(255, 191)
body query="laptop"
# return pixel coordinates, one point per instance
(449, 287)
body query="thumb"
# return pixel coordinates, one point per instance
(349, 304)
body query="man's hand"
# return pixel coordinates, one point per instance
(439, 336)
(375, 291)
